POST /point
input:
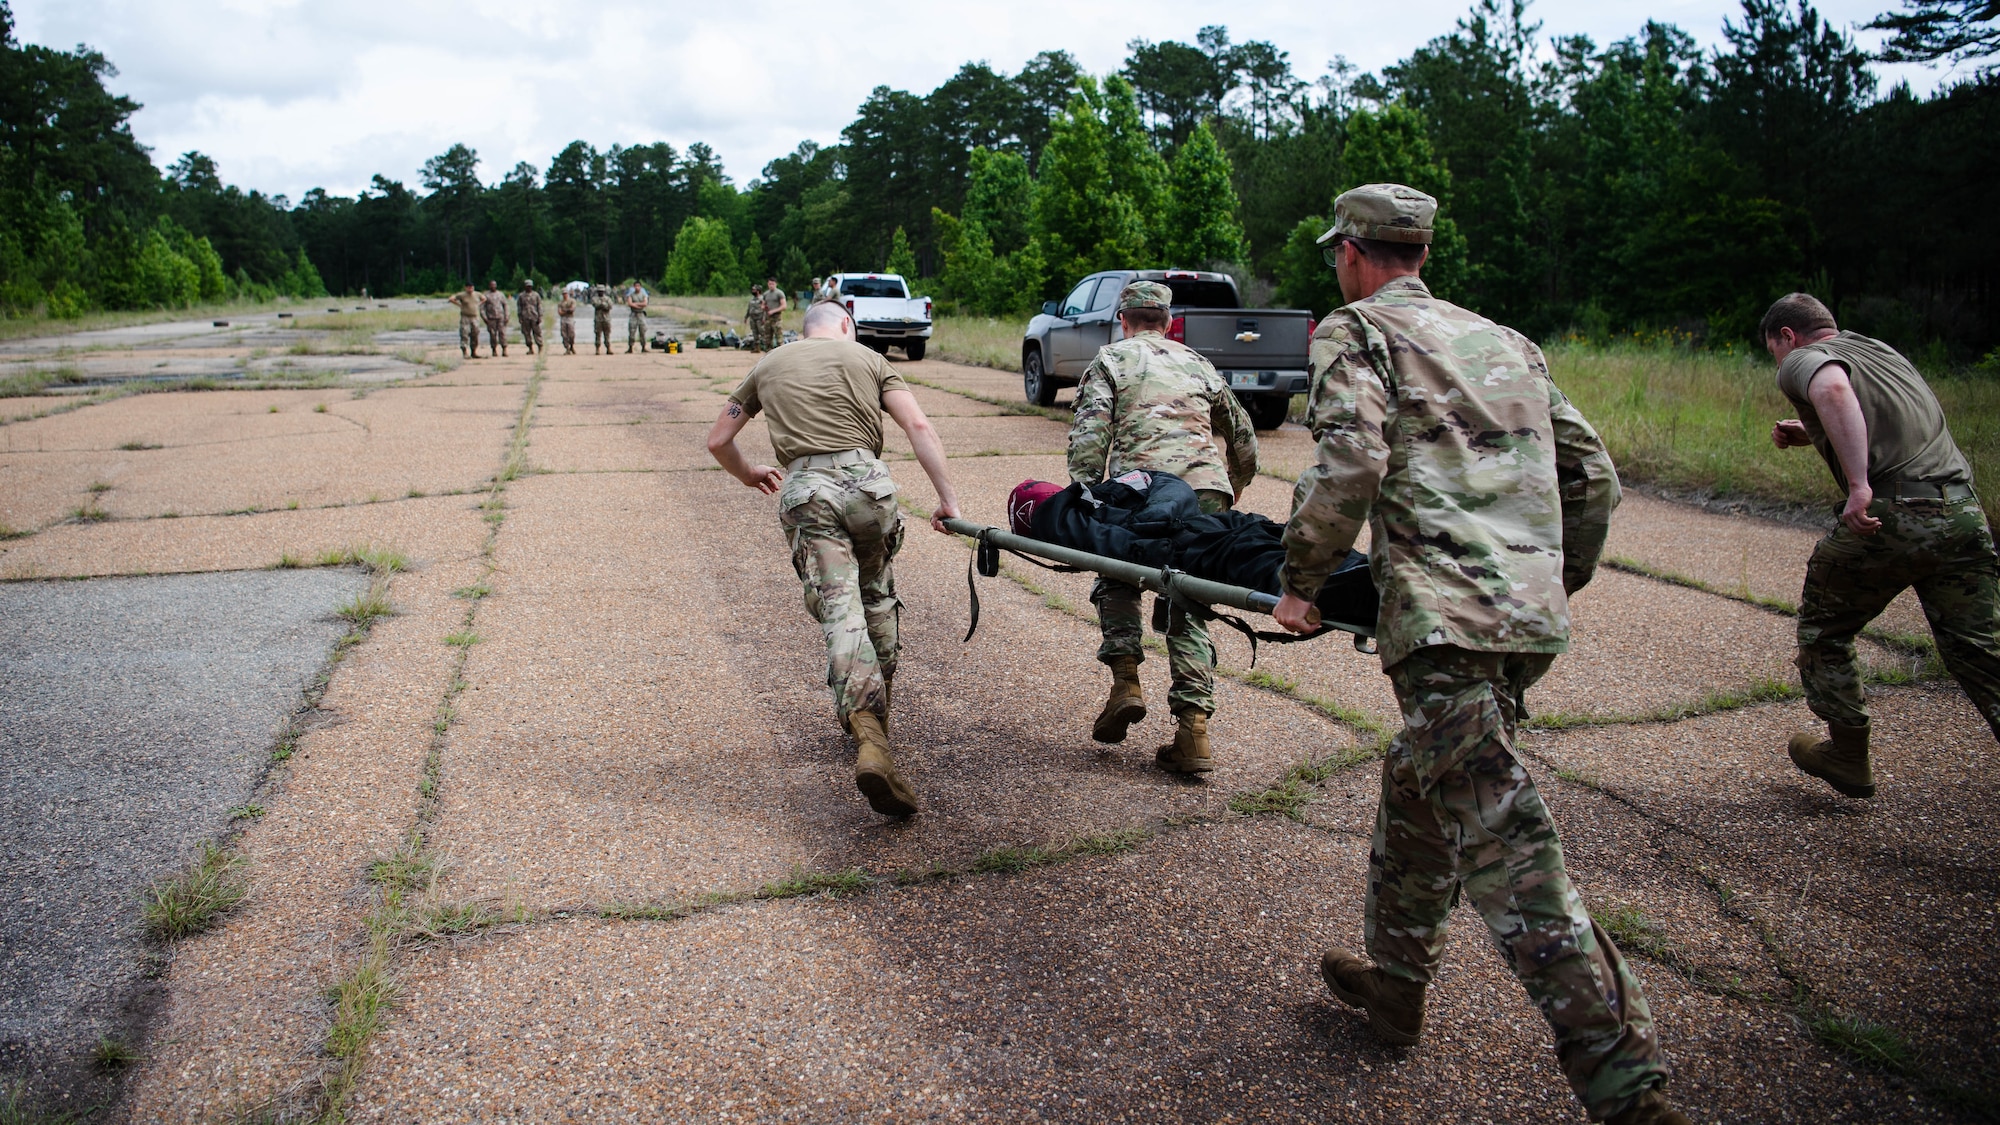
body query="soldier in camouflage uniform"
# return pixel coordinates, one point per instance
(600, 318)
(823, 401)
(468, 304)
(635, 318)
(1911, 519)
(1488, 498)
(774, 302)
(528, 303)
(1152, 404)
(753, 319)
(493, 309)
(566, 322)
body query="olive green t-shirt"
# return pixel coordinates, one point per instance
(1907, 436)
(819, 395)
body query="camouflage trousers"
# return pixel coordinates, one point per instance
(1459, 813)
(600, 331)
(1944, 549)
(566, 325)
(635, 330)
(531, 332)
(1190, 653)
(844, 530)
(468, 335)
(755, 327)
(496, 333)
(774, 332)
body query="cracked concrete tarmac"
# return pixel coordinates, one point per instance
(640, 755)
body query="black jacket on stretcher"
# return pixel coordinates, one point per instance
(1154, 519)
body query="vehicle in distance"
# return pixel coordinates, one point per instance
(885, 315)
(1261, 353)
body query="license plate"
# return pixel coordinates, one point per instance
(1243, 378)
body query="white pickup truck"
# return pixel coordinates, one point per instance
(885, 315)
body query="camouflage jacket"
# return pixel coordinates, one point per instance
(528, 303)
(1487, 493)
(566, 308)
(754, 312)
(1151, 403)
(600, 304)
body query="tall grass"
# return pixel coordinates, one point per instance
(1700, 420)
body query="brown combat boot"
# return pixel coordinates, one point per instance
(1395, 1006)
(1840, 760)
(875, 771)
(1649, 1108)
(1188, 752)
(1127, 704)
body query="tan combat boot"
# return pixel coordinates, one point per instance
(1395, 1006)
(1840, 760)
(875, 771)
(1188, 752)
(1127, 704)
(1649, 1108)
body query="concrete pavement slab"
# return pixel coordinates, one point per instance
(135, 713)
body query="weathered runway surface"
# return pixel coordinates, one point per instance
(625, 764)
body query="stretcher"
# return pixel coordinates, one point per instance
(1185, 592)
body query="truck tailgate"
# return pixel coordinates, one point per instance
(1258, 339)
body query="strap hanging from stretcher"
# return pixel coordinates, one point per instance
(985, 561)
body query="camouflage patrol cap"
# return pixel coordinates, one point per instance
(1384, 212)
(1145, 295)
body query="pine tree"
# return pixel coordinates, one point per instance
(1201, 226)
(902, 260)
(1137, 171)
(1084, 222)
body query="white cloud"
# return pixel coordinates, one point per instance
(288, 95)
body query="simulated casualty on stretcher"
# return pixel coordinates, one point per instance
(1147, 529)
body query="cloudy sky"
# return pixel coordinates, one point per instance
(288, 95)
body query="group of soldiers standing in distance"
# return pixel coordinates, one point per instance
(765, 315)
(1489, 497)
(490, 308)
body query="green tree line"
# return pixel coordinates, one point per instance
(1644, 184)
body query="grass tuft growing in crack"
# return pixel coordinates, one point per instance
(802, 882)
(362, 609)
(1634, 931)
(195, 899)
(112, 1054)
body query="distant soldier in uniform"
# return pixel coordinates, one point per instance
(566, 322)
(829, 290)
(822, 403)
(1488, 497)
(528, 303)
(775, 304)
(493, 309)
(1152, 404)
(468, 304)
(635, 318)
(600, 318)
(753, 319)
(1911, 519)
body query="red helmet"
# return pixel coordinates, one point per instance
(1022, 502)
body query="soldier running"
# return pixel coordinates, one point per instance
(528, 304)
(1151, 404)
(635, 318)
(1911, 519)
(566, 322)
(493, 309)
(822, 402)
(773, 299)
(600, 318)
(468, 304)
(1488, 497)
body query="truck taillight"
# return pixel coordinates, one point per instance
(1177, 329)
(927, 308)
(850, 306)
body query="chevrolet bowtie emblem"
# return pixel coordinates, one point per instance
(1248, 337)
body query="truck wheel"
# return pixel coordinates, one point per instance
(915, 348)
(1035, 382)
(1267, 412)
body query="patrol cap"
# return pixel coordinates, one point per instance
(1384, 212)
(1145, 295)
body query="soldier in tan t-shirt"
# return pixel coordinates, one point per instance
(1910, 519)
(822, 399)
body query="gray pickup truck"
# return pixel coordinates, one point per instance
(1261, 352)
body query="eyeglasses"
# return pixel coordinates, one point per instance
(1332, 253)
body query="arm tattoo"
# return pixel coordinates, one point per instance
(735, 411)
